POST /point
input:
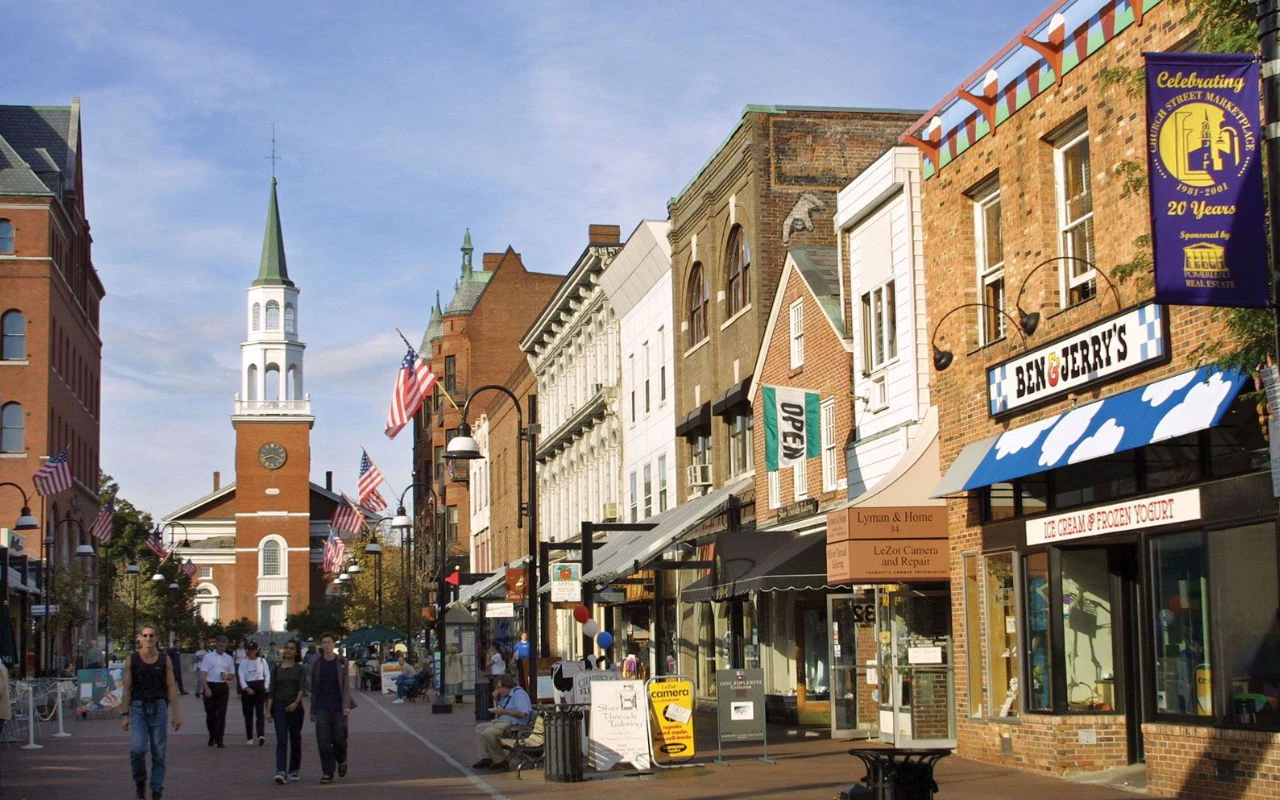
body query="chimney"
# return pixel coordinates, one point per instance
(217, 480)
(604, 234)
(491, 261)
(328, 479)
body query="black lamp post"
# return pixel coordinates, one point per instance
(464, 447)
(402, 523)
(409, 538)
(136, 571)
(374, 549)
(25, 522)
(83, 550)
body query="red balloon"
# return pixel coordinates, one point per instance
(581, 613)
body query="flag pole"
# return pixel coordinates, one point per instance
(443, 390)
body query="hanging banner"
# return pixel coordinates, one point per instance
(566, 582)
(790, 426)
(1204, 171)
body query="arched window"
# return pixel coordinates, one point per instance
(290, 318)
(271, 383)
(270, 558)
(699, 296)
(6, 237)
(738, 259)
(273, 315)
(251, 389)
(13, 336)
(13, 424)
(256, 317)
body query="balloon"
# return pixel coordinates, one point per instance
(591, 627)
(605, 639)
(581, 613)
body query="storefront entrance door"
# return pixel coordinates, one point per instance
(813, 665)
(854, 672)
(916, 676)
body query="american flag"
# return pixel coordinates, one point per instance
(334, 551)
(347, 518)
(156, 545)
(101, 528)
(54, 476)
(190, 568)
(368, 482)
(413, 387)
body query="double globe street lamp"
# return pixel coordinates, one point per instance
(83, 550)
(25, 522)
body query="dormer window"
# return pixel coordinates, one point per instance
(273, 315)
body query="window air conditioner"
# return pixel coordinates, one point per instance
(610, 513)
(698, 475)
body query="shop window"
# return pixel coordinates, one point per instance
(1002, 636)
(1236, 445)
(1174, 462)
(973, 634)
(1087, 642)
(1179, 591)
(999, 502)
(1246, 687)
(1097, 480)
(1035, 570)
(706, 648)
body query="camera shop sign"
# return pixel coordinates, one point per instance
(1147, 512)
(1115, 346)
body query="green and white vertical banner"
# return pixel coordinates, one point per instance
(791, 432)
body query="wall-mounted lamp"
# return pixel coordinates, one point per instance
(1028, 321)
(943, 358)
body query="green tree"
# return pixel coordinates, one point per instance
(327, 616)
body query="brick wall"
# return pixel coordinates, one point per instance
(1212, 764)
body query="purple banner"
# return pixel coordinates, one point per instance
(1204, 167)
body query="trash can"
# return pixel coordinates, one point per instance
(484, 700)
(562, 746)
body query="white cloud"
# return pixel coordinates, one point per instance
(1067, 432)
(1019, 439)
(1196, 410)
(1155, 394)
(1102, 443)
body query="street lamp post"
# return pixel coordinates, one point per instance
(464, 447)
(83, 550)
(25, 522)
(374, 549)
(402, 523)
(136, 571)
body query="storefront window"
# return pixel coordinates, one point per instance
(999, 502)
(707, 649)
(973, 634)
(1180, 582)
(1086, 631)
(1236, 444)
(1002, 636)
(781, 636)
(1035, 569)
(1174, 462)
(1246, 687)
(1096, 480)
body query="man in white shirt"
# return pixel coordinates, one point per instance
(216, 671)
(255, 682)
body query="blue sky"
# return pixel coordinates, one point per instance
(399, 126)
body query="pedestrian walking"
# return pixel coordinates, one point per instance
(6, 704)
(216, 671)
(150, 691)
(255, 682)
(331, 703)
(284, 704)
(175, 655)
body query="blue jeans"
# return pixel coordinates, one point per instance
(331, 736)
(404, 683)
(147, 725)
(288, 737)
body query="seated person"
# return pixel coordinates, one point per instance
(511, 706)
(408, 679)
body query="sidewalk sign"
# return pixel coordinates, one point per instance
(390, 671)
(99, 691)
(671, 719)
(619, 725)
(740, 709)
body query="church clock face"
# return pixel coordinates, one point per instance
(272, 455)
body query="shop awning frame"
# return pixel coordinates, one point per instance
(627, 552)
(763, 561)
(482, 590)
(1184, 403)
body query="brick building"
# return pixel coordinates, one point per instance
(1077, 650)
(50, 345)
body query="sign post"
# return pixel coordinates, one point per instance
(740, 710)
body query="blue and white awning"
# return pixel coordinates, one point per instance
(1185, 403)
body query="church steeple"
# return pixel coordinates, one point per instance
(466, 255)
(272, 270)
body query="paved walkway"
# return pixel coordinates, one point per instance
(405, 751)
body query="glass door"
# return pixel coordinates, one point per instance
(917, 707)
(813, 667)
(854, 673)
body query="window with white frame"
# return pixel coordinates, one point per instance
(775, 489)
(827, 415)
(631, 366)
(990, 240)
(1075, 214)
(648, 491)
(662, 365)
(646, 377)
(206, 573)
(879, 327)
(740, 441)
(800, 480)
(270, 558)
(634, 497)
(797, 334)
(662, 483)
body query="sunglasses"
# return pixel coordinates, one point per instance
(146, 636)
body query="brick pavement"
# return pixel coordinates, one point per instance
(406, 751)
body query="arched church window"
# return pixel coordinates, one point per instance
(273, 315)
(256, 316)
(290, 318)
(252, 387)
(270, 558)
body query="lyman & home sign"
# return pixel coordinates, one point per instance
(1117, 345)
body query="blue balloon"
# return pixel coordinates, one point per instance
(605, 639)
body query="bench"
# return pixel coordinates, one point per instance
(526, 745)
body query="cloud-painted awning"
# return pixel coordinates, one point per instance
(1184, 403)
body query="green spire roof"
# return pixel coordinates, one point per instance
(466, 254)
(273, 271)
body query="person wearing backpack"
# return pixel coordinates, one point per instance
(284, 706)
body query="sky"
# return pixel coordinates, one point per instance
(399, 125)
